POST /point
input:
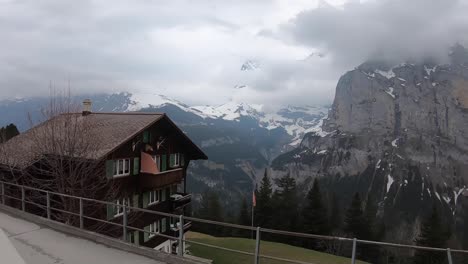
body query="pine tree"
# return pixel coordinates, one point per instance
(432, 234)
(6, 133)
(355, 220)
(370, 252)
(210, 209)
(244, 214)
(285, 201)
(244, 218)
(263, 209)
(370, 212)
(315, 212)
(315, 215)
(335, 215)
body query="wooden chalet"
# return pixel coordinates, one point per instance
(145, 153)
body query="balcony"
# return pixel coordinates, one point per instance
(179, 200)
(161, 179)
(175, 227)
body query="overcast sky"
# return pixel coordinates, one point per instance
(192, 50)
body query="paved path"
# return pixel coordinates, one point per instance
(38, 245)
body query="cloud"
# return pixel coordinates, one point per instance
(193, 50)
(176, 47)
(383, 29)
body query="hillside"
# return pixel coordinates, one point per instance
(266, 248)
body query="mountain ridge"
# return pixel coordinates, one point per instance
(397, 134)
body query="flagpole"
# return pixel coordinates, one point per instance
(253, 207)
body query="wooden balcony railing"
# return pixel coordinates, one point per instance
(161, 179)
(179, 200)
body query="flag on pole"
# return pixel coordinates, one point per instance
(254, 199)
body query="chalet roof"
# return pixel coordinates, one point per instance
(108, 130)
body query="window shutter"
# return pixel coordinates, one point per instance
(109, 168)
(163, 198)
(146, 234)
(182, 159)
(172, 160)
(110, 211)
(136, 166)
(163, 224)
(135, 200)
(145, 199)
(146, 137)
(164, 162)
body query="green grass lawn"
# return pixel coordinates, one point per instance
(266, 248)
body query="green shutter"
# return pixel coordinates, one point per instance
(163, 198)
(146, 234)
(109, 168)
(172, 160)
(110, 212)
(182, 159)
(136, 166)
(146, 137)
(164, 162)
(163, 224)
(135, 201)
(145, 199)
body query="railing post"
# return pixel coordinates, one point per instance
(257, 246)
(181, 236)
(81, 213)
(3, 193)
(23, 204)
(124, 224)
(449, 256)
(48, 204)
(353, 256)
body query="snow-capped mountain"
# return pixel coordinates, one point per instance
(250, 65)
(296, 121)
(240, 139)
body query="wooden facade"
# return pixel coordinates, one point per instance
(158, 183)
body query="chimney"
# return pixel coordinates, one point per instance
(87, 107)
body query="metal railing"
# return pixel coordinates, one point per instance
(182, 219)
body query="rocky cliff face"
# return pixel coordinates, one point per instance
(397, 133)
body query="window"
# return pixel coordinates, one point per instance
(118, 209)
(154, 197)
(154, 228)
(177, 160)
(122, 167)
(157, 160)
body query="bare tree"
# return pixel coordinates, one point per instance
(67, 153)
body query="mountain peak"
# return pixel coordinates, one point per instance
(458, 54)
(250, 65)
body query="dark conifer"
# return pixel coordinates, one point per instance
(244, 214)
(285, 203)
(315, 212)
(6, 133)
(211, 209)
(335, 215)
(263, 208)
(432, 234)
(315, 216)
(355, 220)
